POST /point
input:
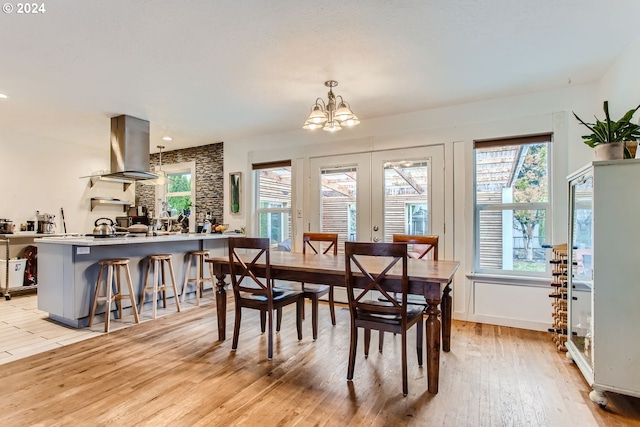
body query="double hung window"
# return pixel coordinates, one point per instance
(273, 197)
(512, 205)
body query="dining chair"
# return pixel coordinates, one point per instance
(314, 243)
(367, 267)
(418, 247)
(313, 292)
(254, 292)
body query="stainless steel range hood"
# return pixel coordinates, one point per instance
(130, 149)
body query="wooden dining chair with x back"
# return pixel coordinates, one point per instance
(418, 247)
(313, 242)
(368, 266)
(250, 270)
(316, 243)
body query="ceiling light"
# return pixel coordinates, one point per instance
(162, 178)
(3, 96)
(167, 138)
(329, 117)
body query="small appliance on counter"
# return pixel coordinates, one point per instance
(6, 226)
(124, 221)
(128, 221)
(46, 223)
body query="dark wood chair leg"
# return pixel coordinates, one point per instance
(279, 319)
(367, 341)
(405, 382)
(445, 306)
(270, 336)
(332, 307)
(299, 310)
(380, 340)
(352, 351)
(236, 328)
(263, 320)
(314, 316)
(419, 339)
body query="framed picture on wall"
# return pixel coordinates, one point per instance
(235, 187)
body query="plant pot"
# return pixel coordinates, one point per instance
(631, 148)
(610, 151)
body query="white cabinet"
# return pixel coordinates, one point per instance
(604, 276)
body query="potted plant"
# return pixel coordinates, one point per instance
(609, 137)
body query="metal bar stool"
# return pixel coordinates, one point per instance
(199, 280)
(159, 281)
(110, 265)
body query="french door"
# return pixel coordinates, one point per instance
(371, 196)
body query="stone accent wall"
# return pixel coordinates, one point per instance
(209, 178)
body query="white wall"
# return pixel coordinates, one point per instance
(44, 174)
(620, 85)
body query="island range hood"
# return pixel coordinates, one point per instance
(130, 149)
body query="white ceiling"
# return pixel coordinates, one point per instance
(209, 71)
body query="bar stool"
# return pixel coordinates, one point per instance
(113, 265)
(159, 282)
(199, 280)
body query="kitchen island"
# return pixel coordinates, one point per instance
(68, 267)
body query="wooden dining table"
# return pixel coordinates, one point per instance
(432, 279)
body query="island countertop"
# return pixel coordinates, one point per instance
(127, 240)
(68, 267)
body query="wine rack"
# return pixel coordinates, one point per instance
(559, 296)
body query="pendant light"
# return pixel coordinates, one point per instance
(162, 178)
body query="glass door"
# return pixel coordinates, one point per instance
(371, 196)
(340, 197)
(581, 279)
(407, 192)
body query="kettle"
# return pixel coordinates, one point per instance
(104, 229)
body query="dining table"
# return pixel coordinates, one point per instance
(429, 278)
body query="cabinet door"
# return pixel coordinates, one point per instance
(581, 267)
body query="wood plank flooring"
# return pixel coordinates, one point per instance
(173, 372)
(25, 330)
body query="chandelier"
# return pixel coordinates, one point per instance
(329, 117)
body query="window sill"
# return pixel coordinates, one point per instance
(510, 279)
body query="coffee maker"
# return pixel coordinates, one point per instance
(46, 223)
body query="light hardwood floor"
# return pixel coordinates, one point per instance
(25, 330)
(174, 372)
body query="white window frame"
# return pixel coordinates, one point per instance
(504, 207)
(270, 210)
(162, 194)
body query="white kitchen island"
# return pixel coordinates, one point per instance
(68, 267)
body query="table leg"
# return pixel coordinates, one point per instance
(432, 326)
(446, 318)
(221, 302)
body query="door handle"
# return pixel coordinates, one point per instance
(376, 239)
(375, 228)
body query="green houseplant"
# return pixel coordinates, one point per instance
(611, 136)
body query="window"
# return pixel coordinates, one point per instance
(512, 208)
(416, 216)
(176, 196)
(273, 195)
